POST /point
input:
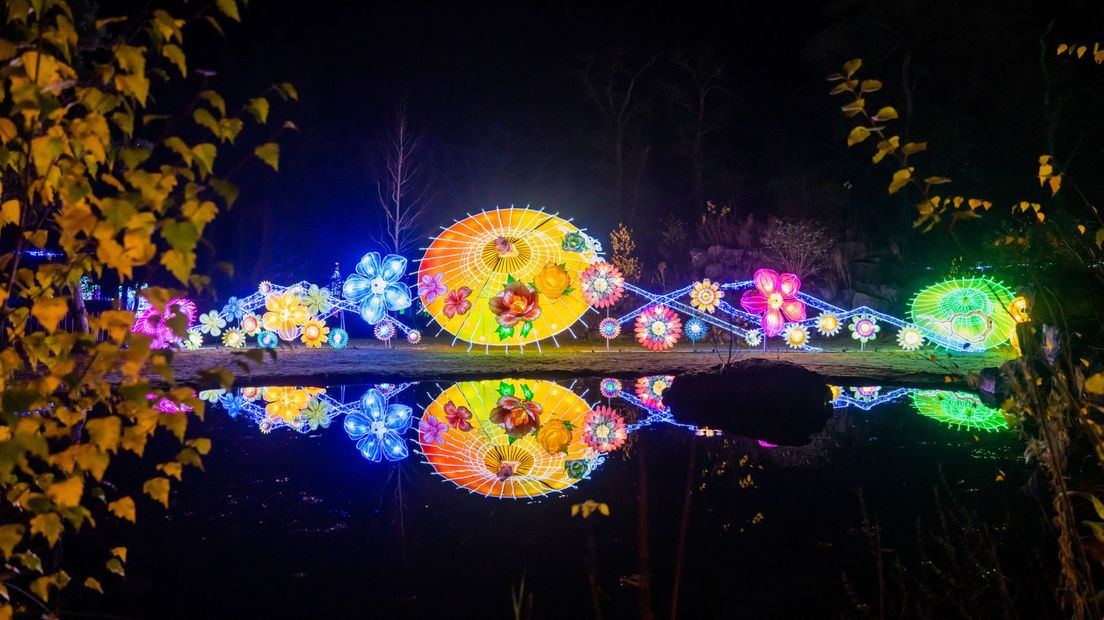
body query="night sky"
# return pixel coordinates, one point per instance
(497, 93)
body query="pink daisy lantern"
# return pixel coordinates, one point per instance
(775, 298)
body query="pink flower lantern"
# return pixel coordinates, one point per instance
(775, 298)
(151, 323)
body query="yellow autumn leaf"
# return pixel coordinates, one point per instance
(269, 153)
(1095, 384)
(857, 135)
(10, 536)
(1055, 183)
(123, 508)
(1081, 228)
(92, 584)
(158, 489)
(851, 66)
(1081, 49)
(887, 113)
(50, 312)
(48, 524)
(105, 432)
(1039, 215)
(202, 445)
(67, 494)
(9, 213)
(119, 552)
(116, 323)
(900, 179)
(1062, 48)
(172, 469)
(115, 566)
(869, 86)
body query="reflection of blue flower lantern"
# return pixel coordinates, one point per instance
(233, 404)
(234, 308)
(267, 340)
(696, 329)
(376, 287)
(378, 427)
(338, 338)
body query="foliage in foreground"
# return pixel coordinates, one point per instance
(100, 164)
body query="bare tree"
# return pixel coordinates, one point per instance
(402, 191)
(800, 247)
(697, 93)
(613, 84)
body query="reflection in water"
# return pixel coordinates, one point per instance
(525, 438)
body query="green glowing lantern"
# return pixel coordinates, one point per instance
(960, 410)
(973, 310)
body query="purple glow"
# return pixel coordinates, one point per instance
(151, 323)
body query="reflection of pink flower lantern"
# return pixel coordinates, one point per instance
(152, 323)
(775, 298)
(766, 444)
(167, 406)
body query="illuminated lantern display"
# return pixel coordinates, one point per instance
(251, 324)
(604, 429)
(603, 285)
(866, 392)
(413, 336)
(512, 276)
(796, 335)
(377, 286)
(314, 333)
(696, 329)
(506, 451)
(706, 295)
(212, 323)
(234, 338)
(974, 311)
(960, 410)
(338, 338)
(610, 387)
(910, 338)
(384, 330)
(285, 403)
(267, 340)
(828, 324)
(609, 328)
(864, 328)
(286, 313)
(152, 323)
(378, 427)
(658, 328)
(775, 299)
(1018, 310)
(650, 390)
(754, 338)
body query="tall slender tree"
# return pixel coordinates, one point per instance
(402, 187)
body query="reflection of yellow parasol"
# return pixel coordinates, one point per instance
(483, 460)
(530, 260)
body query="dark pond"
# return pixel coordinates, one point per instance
(290, 522)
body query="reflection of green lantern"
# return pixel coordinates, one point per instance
(961, 410)
(577, 468)
(974, 310)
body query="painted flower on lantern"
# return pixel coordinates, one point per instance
(775, 298)
(574, 242)
(251, 393)
(554, 281)
(152, 323)
(910, 338)
(234, 338)
(316, 414)
(864, 328)
(211, 323)
(456, 302)
(516, 416)
(706, 295)
(828, 324)
(753, 338)
(317, 300)
(650, 390)
(338, 338)
(378, 427)
(315, 333)
(517, 303)
(796, 335)
(265, 287)
(432, 286)
(696, 329)
(194, 341)
(602, 284)
(234, 309)
(610, 387)
(1018, 310)
(285, 314)
(609, 328)
(251, 324)
(555, 436)
(211, 396)
(285, 403)
(267, 340)
(658, 328)
(458, 416)
(385, 330)
(604, 429)
(413, 336)
(432, 429)
(577, 468)
(376, 287)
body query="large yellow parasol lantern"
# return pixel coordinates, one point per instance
(506, 277)
(483, 436)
